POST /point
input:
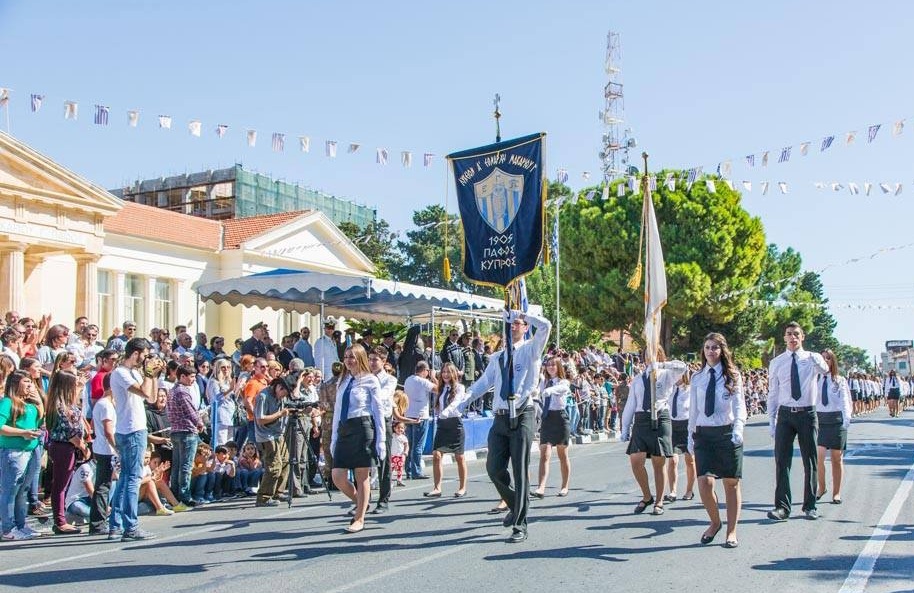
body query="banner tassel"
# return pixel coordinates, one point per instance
(447, 269)
(635, 281)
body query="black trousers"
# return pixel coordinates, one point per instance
(507, 446)
(804, 427)
(384, 468)
(98, 512)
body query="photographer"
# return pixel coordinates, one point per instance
(269, 425)
(299, 408)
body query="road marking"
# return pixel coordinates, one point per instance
(863, 568)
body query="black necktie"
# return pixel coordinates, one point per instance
(676, 402)
(546, 405)
(710, 392)
(344, 401)
(795, 379)
(825, 390)
(646, 400)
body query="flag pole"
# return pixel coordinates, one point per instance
(557, 255)
(650, 356)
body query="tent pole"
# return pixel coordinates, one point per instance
(431, 331)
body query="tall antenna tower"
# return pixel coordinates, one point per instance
(616, 138)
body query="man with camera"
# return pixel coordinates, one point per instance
(299, 407)
(270, 417)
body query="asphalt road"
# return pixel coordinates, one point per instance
(590, 539)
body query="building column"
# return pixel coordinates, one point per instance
(12, 277)
(87, 285)
(119, 299)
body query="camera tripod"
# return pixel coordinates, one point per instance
(294, 428)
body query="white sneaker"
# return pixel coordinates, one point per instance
(34, 532)
(15, 535)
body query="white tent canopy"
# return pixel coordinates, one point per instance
(364, 297)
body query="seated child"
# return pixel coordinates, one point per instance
(148, 493)
(79, 493)
(160, 478)
(202, 479)
(223, 473)
(250, 469)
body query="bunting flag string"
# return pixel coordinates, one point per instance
(195, 127)
(330, 148)
(165, 122)
(133, 118)
(252, 138)
(101, 115)
(70, 110)
(221, 129)
(304, 143)
(279, 142)
(36, 102)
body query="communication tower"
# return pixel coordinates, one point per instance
(616, 138)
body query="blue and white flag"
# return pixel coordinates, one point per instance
(406, 158)
(562, 176)
(221, 129)
(36, 102)
(694, 172)
(330, 148)
(826, 143)
(620, 190)
(381, 156)
(279, 142)
(500, 191)
(353, 147)
(304, 143)
(427, 159)
(4, 97)
(765, 159)
(785, 154)
(633, 184)
(101, 115)
(750, 160)
(670, 182)
(872, 131)
(652, 182)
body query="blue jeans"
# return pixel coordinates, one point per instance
(416, 435)
(202, 486)
(127, 492)
(574, 416)
(244, 433)
(16, 469)
(184, 447)
(32, 481)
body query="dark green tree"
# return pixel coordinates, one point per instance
(378, 243)
(712, 247)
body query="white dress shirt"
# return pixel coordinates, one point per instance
(388, 386)
(419, 393)
(810, 365)
(668, 373)
(839, 398)
(325, 355)
(729, 405)
(891, 383)
(527, 360)
(683, 402)
(559, 390)
(364, 400)
(451, 410)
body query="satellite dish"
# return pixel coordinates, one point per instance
(632, 170)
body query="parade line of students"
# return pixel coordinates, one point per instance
(105, 433)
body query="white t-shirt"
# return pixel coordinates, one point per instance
(419, 392)
(77, 489)
(103, 410)
(131, 413)
(398, 444)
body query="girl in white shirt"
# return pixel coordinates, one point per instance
(834, 415)
(449, 434)
(555, 430)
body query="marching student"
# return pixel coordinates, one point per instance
(892, 389)
(834, 416)
(449, 434)
(555, 430)
(680, 404)
(646, 440)
(792, 397)
(717, 417)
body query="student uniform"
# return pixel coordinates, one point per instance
(358, 422)
(833, 413)
(680, 404)
(555, 429)
(636, 418)
(449, 434)
(717, 418)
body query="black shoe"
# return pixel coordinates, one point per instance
(380, 509)
(508, 521)
(778, 514)
(517, 536)
(707, 539)
(189, 503)
(421, 477)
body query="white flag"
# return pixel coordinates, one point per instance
(897, 188)
(804, 148)
(406, 158)
(427, 158)
(849, 138)
(726, 168)
(330, 148)
(165, 122)
(764, 188)
(655, 293)
(867, 187)
(853, 188)
(709, 183)
(133, 118)
(898, 128)
(4, 97)
(620, 190)
(819, 185)
(605, 192)
(632, 184)
(670, 182)
(252, 138)
(194, 127)
(304, 143)
(36, 102)
(221, 129)
(353, 147)
(70, 110)
(729, 184)
(585, 175)
(782, 186)
(381, 156)
(837, 187)
(885, 188)
(747, 185)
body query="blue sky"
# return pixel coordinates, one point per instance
(704, 82)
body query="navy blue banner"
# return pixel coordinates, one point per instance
(500, 194)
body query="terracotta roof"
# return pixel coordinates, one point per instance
(239, 230)
(148, 222)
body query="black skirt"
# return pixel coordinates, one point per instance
(655, 442)
(715, 453)
(832, 434)
(680, 436)
(895, 393)
(555, 429)
(355, 446)
(449, 435)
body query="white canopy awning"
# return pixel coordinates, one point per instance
(364, 297)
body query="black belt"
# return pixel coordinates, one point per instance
(797, 409)
(714, 429)
(506, 411)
